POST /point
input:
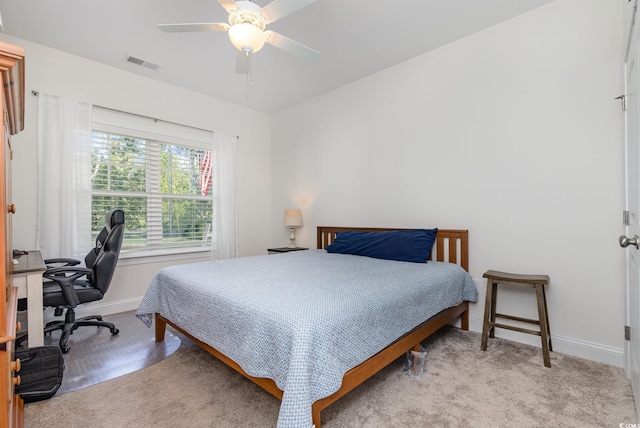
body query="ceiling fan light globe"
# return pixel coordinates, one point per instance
(244, 36)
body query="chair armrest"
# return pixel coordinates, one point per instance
(63, 261)
(65, 277)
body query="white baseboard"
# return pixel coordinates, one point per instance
(109, 308)
(100, 308)
(565, 345)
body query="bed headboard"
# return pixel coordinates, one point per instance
(451, 245)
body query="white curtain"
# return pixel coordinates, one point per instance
(64, 177)
(225, 240)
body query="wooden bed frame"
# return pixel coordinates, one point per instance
(450, 245)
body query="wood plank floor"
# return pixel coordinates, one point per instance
(96, 355)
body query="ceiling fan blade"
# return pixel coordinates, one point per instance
(291, 46)
(229, 5)
(280, 8)
(243, 63)
(204, 26)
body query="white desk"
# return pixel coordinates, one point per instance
(27, 276)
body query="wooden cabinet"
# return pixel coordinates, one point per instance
(12, 80)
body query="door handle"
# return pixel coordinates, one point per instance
(625, 241)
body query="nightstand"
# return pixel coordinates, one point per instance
(285, 249)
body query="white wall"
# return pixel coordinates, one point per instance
(511, 133)
(57, 73)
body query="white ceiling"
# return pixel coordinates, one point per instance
(356, 38)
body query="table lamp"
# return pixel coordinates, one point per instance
(292, 219)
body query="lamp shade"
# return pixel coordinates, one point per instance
(247, 36)
(292, 218)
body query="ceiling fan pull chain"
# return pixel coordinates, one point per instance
(246, 95)
(249, 80)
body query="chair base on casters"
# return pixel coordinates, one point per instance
(70, 324)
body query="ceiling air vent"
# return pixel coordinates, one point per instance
(141, 62)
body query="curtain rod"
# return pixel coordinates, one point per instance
(36, 93)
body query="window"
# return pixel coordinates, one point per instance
(161, 180)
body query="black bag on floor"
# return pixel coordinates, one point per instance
(41, 370)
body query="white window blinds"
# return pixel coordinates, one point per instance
(159, 173)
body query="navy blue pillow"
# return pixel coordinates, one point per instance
(403, 245)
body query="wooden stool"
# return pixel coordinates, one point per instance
(533, 281)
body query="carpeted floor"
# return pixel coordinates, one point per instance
(507, 386)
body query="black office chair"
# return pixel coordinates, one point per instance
(68, 285)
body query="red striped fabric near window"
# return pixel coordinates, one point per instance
(206, 172)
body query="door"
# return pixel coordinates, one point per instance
(630, 241)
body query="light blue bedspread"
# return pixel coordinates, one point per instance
(303, 318)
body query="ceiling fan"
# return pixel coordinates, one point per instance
(246, 28)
